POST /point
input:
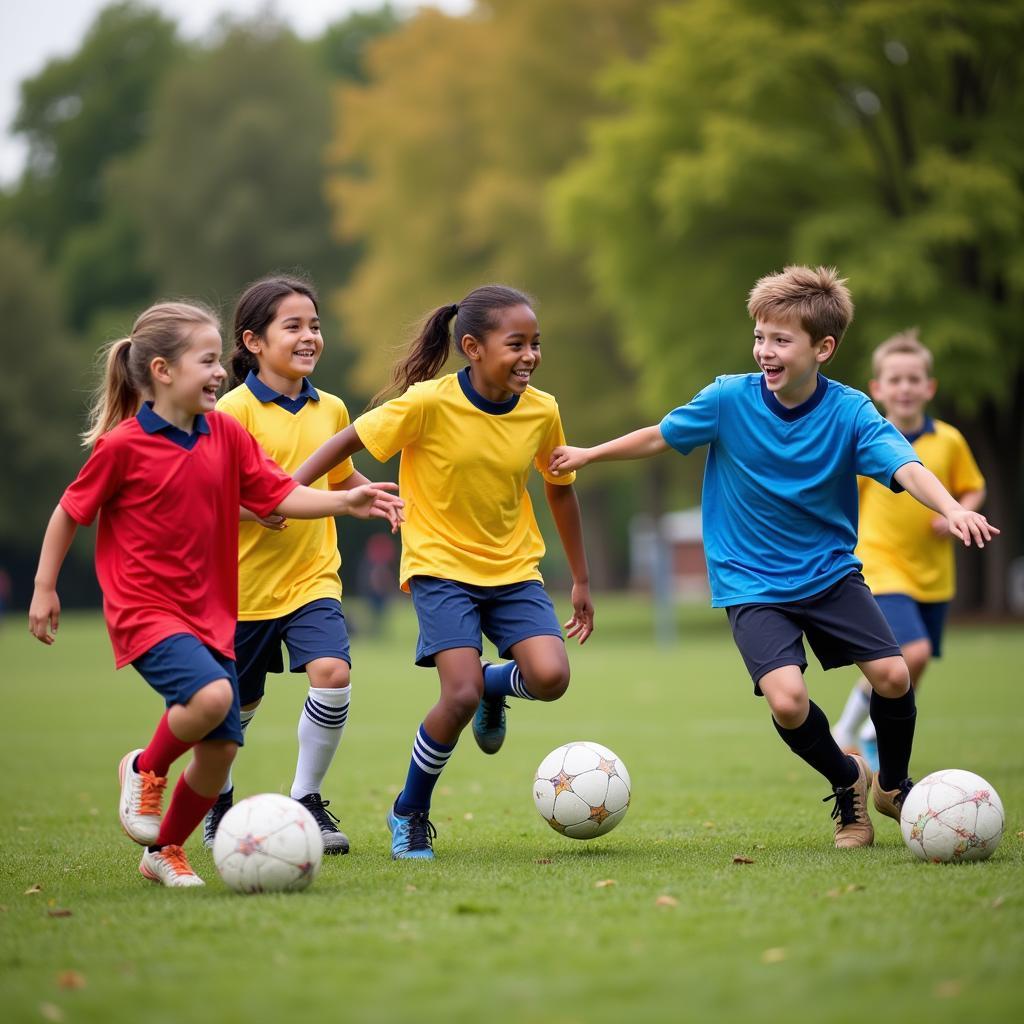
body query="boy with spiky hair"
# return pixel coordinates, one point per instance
(905, 550)
(786, 446)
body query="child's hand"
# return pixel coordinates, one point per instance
(566, 459)
(940, 527)
(44, 615)
(967, 525)
(581, 625)
(272, 522)
(372, 501)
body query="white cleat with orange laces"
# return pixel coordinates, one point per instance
(169, 866)
(142, 797)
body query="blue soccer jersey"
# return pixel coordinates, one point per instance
(779, 505)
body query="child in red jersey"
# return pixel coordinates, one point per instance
(168, 475)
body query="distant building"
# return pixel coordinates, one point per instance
(683, 537)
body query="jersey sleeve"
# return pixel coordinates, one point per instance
(394, 425)
(964, 472)
(262, 484)
(96, 484)
(880, 448)
(695, 423)
(554, 437)
(343, 470)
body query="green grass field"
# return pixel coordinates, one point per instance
(510, 922)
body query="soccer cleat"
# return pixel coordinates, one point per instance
(335, 841)
(869, 751)
(169, 866)
(890, 801)
(142, 795)
(213, 817)
(853, 826)
(489, 723)
(412, 835)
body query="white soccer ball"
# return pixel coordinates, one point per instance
(582, 790)
(952, 815)
(268, 843)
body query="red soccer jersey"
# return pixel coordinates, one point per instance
(167, 543)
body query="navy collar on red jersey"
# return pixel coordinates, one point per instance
(485, 404)
(267, 394)
(812, 403)
(153, 423)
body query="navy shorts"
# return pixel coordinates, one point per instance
(180, 666)
(914, 620)
(843, 625)
(316, 630)
(453, 614)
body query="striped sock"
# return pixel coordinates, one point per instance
(247, 717)
(505, 680)
(425, 766)
(320, 727)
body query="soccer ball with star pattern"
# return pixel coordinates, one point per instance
(268, 843)
(952, 815)
(582, 790)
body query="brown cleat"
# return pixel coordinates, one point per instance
(890, 801)
(853, 826)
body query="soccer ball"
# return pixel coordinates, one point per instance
(268, 843)
(952, 815)
(582, 790)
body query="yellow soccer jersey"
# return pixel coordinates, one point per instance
(465, 463)
(900, 552)
(280, 571)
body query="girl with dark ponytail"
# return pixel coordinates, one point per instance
(471, 546)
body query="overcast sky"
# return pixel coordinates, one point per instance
(34, 31)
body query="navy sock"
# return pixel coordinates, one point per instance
(505, 680)
(425, 766)
(894, 719)
(812, 741)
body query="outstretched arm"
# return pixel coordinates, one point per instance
(641, 444)
(368, 501)
(566, 512)
(44, 611)
(340, 447)
(970, 500)
(925, 486)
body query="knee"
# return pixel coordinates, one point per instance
(789, 705)
(461, 697)
(214, 700)
(891, 678)
(329, 675)
(548, 682)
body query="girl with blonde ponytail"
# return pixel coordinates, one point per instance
(167, 475)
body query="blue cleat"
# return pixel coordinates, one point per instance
(489, 724)
(412, 835)
(869, 751)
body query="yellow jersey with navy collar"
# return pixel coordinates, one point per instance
(465, 464)
(900, 551)
(279, 571)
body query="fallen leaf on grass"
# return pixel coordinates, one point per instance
(666, 901)
(32, 890)
(410, 888)
(738, 858)
(997, 902)
(604, 883)
(842, 890)
(543, 860)
(58, 912)
(70, 979)
(709, 824)
(949, 989)
(468, 816)
(1020, 835)
(48, 1011)
(775, 955)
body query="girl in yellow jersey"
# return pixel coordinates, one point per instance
(289, 589)
(470, 543)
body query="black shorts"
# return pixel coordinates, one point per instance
(843, 625)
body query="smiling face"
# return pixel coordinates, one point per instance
(289, 348)
(790, 359)
(189, 385)
(502, 364)
(903, 388)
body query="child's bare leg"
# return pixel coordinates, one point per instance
(205, 710)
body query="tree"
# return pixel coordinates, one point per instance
(881, 138)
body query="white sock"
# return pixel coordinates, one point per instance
(247, 717)
(854, 715)
(320, 727)
(867, 733)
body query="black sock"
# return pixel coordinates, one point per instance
(894, 719)
(813, 742)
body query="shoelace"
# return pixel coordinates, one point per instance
(324, 818)
(176, 860)
(904, 788)
(151, 794)
(421, 831)
(845, 808)
(492, 714)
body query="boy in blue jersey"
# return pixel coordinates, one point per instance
(780, 525)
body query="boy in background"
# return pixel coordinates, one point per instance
(907, 550)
